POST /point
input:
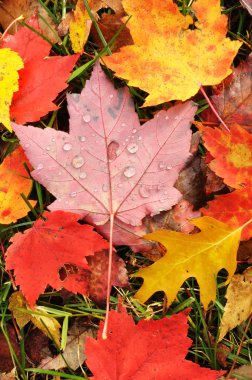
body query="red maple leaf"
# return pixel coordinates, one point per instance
(52, 246)
(146, 351)
(42, 77)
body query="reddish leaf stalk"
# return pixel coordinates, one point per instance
(239, 348)
(105, 327)
(213, 109)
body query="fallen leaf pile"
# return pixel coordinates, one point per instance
(131, 192)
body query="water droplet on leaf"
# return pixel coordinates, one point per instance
(73, 194)
(104, 188)
(78, 161)
(27, 145)
(83, 175)
(134, 130)
(129, 171)
(40, 166)
(168, 167)
(67, 147)
(143, 191)
(161, 165)
(132, 148)
(87, 118)
(82, 138)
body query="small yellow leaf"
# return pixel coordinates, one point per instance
(239, 303)
(199, 255)
(10, 63)
(16, 302)
(79, 27)
(43, 321)
(47, 324)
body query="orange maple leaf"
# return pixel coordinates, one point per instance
(232, 154)
(173, 59)
(234, 209)
(14, 181)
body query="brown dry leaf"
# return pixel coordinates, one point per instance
(109, 26)
(245, 251)
(8, 376)
(10, 10)
(239, 303)
(245, 371)
(73, 354)
(37, 346)
(233, 98)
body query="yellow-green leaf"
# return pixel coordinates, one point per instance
(10, 63)
(199, 255)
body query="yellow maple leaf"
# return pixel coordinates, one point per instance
(199, 255)
(168, 60)
(239, 302)
(10, 63)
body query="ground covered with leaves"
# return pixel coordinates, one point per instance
(125, 188)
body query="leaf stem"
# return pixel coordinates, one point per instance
(213, 109)
(9, 26)
(105, 327)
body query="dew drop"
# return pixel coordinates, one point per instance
(132, 148)
(53, 140)
(161, 165)
(78, 161)
(105, 188)
(82, 138)
(87, 118)
(134, 130)
(162, 200)
(129, 171)
(83, 175)
(67, 147)
(119, 185)
(95, 190)
(126, 140)
(40, 166)
(143, 191)
(165, 192)
(123, 125)
(27, 145)
(59, 173)
(176, 118)
(111, 96)
(59, 199)
(73, 194)
(66, 202)
(139, 138)
(166, 117)
(48, 148)
(168, 167)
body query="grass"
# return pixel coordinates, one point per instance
(203, 326)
